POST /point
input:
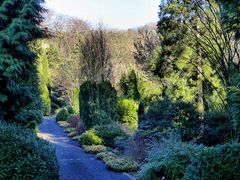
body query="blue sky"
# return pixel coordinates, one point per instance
(120, 14)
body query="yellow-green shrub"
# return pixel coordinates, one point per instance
(90, 138)
(128, 113)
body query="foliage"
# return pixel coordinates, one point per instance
(73, 133)
(168, 159)
(70, 109)
(63, 124)
(129, 85)
(76, 101)
(122, 165)
(62, 115)
(24, 156)
(115, 163)
(94, 149)
(167, 114)
(217, 128)
(128, 113)
(108, 133)
(234, 102)
(98, 103)
(74, 120)
(43, 76)
(89, 137)
(19, 95)
(220, 162)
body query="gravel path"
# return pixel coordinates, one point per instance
(74, 163)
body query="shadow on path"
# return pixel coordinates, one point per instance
(74, 163)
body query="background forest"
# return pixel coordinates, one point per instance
(160, 101)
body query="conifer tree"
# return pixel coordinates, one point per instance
(19, 94)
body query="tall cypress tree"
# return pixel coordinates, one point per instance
(19, 94)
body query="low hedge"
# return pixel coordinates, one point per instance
(24, 156)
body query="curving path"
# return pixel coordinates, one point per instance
(74, 163)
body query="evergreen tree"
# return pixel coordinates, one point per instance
(19, 94)
(44, 78)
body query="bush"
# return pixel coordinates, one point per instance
(121, 164)
(108, 133)
(90, 138)
(221, 162)
(234, 102)
(98, 103)
(129, 85)
(94, 149)
(217, 129)
(70, 109)
(74, 121)
(63, 124)
(167, 114)
(128, 113)
(24, 156)
(62, 115)
(168, 159)
(115, 163)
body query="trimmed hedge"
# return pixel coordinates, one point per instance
(24, 156)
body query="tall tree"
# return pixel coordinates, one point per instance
(19, 94)
(96, 57)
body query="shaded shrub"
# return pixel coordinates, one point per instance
(62, 115)
(90, 138)
(234, 102)
(128, 113)
(129, 85)
(221, 162)
(94, 149)
(24, 156)
(108, 133)
(168, 159)
(74, 120)
(70, 109)
(98, 103)
(217, 128)
(167, 114)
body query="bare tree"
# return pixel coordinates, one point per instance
(96, 57)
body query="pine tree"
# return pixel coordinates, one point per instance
(19, 94)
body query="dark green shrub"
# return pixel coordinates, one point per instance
(167, 114)
(70, 109)
(217, 128)
(90, 138)
(220, 162)
(169, 159)
(234, 102)
(24, 156)
(98, 103)
(108, 133)
(129, 85)
(128, 113)
(62, 115)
